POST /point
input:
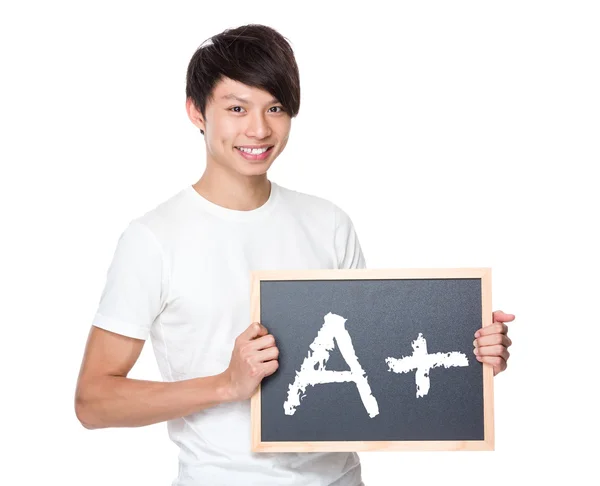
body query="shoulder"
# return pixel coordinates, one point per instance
(313, 205)
(163, 219)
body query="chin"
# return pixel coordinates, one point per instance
(246, 169)
(254, 170)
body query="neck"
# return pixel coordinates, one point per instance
(233, 191)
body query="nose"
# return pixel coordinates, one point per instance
(258, 126)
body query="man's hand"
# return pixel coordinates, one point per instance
(492, 342)
(254, 356)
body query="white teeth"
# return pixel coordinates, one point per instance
(253, 151)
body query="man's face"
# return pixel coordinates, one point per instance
(241, 117)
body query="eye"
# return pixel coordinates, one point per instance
(280, 109)
(234, 108)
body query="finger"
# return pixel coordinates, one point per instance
(270, 367)
(267, 355)
(497, 350)
(492, 339)
(256, 329)
(262, 342)
(499, 316)
(495, 328)
(497, 362)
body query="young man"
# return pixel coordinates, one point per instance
(180, 275)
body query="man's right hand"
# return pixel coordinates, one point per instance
(254, 356)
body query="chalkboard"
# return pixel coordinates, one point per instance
(374, 360)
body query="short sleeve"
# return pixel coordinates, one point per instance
(135, 288)
(347, 246)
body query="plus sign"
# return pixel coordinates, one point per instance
(422, 362)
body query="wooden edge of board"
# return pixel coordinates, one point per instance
(374, 446)
(488, 370)
(255, 416)
(487, 444)
(364, 273)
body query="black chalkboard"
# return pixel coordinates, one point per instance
(389, 354)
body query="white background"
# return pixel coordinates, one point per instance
(453, 133)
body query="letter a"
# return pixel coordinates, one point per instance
(313, 372)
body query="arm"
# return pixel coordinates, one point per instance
(105, 397)
(134, 294)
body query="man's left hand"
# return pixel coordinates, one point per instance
(492, 342)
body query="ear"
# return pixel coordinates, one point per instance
(194, 114)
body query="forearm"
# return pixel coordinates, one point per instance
(116, 401)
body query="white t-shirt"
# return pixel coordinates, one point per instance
(181, 276)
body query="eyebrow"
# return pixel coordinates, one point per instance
(242, 100)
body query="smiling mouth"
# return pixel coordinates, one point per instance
(255, 151)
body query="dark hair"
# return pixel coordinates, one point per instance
(255, 55)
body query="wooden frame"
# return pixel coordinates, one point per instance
(355, 274)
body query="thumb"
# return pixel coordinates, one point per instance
(500, 316)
